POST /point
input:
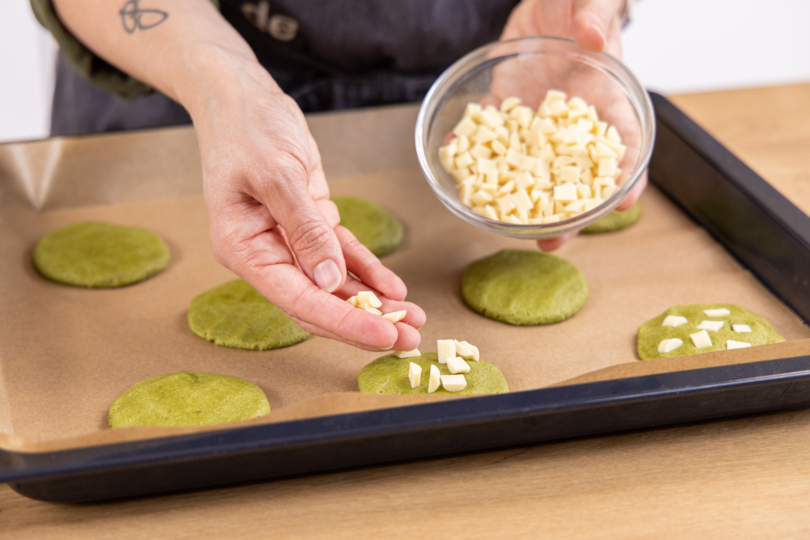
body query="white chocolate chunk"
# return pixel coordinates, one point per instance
(466, 127)
(353, 301)
(454, 383)
(370, 309)
(718, 312)
(674, 320)
(467, 351)
(741, 328)
(457, 365)
(462, 349)
(710, 325)
(446, 349)
(395, 316)
(607, 166)
(435, 379)
(509, 103)
(407, 354)
(368, 297)
(565, 193)
(731, 344)
(701, 339)
(414, 374)
(669, 345)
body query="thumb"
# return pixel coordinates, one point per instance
(592, 20)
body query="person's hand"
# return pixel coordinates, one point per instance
(271, 219)
(596, 26)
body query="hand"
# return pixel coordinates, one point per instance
(271, 219)
(596, 26)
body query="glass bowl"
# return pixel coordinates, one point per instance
(527, 68)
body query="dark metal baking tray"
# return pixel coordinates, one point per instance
(759, 226)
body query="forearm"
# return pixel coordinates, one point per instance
(176, 46)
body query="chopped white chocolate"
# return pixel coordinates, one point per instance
(515, 166)
(731, 344)
(353, 301)
(457, 365)
(414, 374)
(701, 339)
(718, 312)
(741, 328)
(435, 379)
(674, 320)
(368, 297)
(467, 351)
(446, 349)
(454, 383)
(370, 309)
(407, 354)
(710, 325)
(669, 345)
(565, 193)
(395, 316)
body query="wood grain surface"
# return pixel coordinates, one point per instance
(742, 478)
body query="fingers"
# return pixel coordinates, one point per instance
(408, 338)
(414, 317)
(284, 190)
(368, 269)
(290, 290)
(633, 196)
(592, 22)
(550, 244)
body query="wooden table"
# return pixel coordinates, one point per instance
(744, 478)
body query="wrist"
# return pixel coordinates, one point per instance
(212, 74)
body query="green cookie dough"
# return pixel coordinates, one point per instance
(524, 287)
(188, 399)
(100, 255)
(373, 226)
(651, 333)
(389, 375)
(615, 221)
(234, 314)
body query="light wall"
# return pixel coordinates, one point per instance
(672, 45)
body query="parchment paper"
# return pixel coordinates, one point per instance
(67, 353)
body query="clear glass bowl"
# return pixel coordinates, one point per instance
(527, 68)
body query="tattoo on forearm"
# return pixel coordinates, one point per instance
(135, 18)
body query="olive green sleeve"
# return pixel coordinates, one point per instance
(94, 68)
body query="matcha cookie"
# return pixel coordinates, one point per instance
(524, 288)
(615, 221)
(653, 332)
(188, 399)
(100, 255)
(234, 314)
(373, 226)
(389, 375)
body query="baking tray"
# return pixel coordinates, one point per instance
(757, 225)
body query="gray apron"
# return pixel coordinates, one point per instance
(327, 55)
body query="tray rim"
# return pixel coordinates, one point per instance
(40, 474)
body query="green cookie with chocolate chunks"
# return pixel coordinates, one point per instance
(652, 333)
(524, 288)
(371, 224)
(389, 375)
(188, 398)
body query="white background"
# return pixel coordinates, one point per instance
(672, 45)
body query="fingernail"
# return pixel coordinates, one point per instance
(327, 275)
(387, 348)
